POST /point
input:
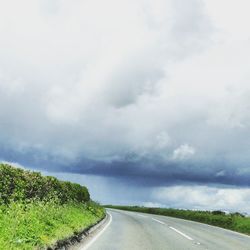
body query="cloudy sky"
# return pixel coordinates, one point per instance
(144, 101)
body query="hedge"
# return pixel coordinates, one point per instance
(234, 221)
(21, 185)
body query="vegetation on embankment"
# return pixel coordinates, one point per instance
(37, 211)
(235, 221)
(20, 185)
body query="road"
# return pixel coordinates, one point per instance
(136, 231)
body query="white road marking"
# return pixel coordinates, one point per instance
(179, 232)
(142, 215)
(163, 223)
(98, 235)
(176, 230)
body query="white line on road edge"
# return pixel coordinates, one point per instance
(98, 235)
(159, 221)
(179, 232)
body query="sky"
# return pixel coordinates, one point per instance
(144, 101)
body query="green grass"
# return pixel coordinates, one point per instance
(36, 211)
(37, 225)
(235, 221)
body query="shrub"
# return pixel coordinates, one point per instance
(21, 185)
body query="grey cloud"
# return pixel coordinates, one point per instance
(202, 197)
(140, 171)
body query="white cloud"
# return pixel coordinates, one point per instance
(183, 152)
(152, 204)
(230, 17)
(204, 197)
(72, 72)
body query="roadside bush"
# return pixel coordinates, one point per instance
(21, 185)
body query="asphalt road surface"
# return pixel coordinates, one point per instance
(136, 231)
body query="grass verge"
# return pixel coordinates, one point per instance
(235, 221)
(38, 225)
(37, 211)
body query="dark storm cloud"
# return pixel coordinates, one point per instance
(147, 172)
(166, 174)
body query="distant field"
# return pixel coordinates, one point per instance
(37, 211)
(236, 221)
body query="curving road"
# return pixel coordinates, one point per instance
(135, 231)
